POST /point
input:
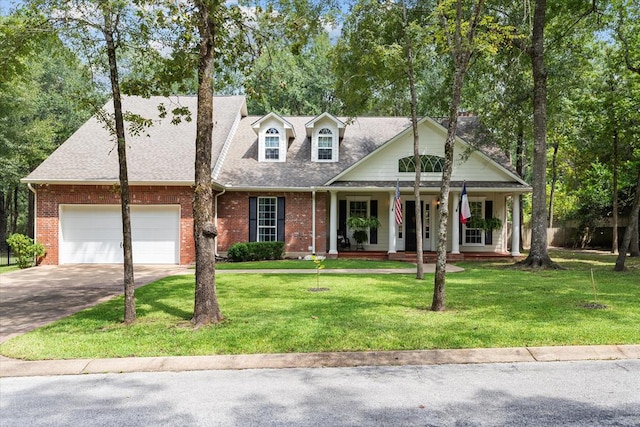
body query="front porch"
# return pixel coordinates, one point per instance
(428, 256)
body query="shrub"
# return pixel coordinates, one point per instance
(238, 252)
(255, 251)
(25, 249)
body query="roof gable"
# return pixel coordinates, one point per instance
(339, 124)
(469, 163)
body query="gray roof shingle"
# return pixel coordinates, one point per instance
(362, 136)
(166, 155)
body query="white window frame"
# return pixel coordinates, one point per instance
(318, 136)
(270, 135)
(261, 219)
(351, 199)
(480, 200)
(323, 138)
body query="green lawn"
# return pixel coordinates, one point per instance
(8, 268)
(488, 305)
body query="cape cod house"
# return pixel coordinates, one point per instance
(292, 179)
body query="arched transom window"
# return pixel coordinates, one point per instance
(429, 164)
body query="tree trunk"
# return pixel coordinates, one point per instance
(554, 180)
(614, 237)
(416, 149)
(538, 254)
(634, 249)
(129, 285)
(633, 225)
(520, 167)
(206, 309)
(461, 50)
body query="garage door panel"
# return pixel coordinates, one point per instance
(93, 234)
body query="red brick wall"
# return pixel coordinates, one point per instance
(233, 218)
(49, 197)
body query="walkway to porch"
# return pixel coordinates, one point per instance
(429, 257)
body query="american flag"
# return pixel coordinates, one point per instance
(398, 204)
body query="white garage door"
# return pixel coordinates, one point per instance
(93, 234)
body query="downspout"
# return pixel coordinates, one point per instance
(215, 219)
(35, 210)
(313, 221)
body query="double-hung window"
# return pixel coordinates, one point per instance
(325, 144)
(272, 144)
(474, 236)
(267, 219)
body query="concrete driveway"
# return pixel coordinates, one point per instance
(39, 295)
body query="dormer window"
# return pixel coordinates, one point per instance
(325, 132)
(325, 144)
(274, 134)
(272, 144)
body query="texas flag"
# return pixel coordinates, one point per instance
(465, 212)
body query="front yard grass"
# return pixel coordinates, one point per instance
(488, 305)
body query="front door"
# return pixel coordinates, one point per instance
(410, 226)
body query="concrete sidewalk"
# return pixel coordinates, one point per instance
(18, 368)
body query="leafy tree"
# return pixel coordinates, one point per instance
(378, 61)
(101, 30)
(293, 84)
(465, 30)
(38, 110)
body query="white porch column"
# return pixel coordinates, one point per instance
(515, 229)
(333, 223)
(455, 223)
(392, 223)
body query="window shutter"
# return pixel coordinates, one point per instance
(253, 219)
(373, 232)
(488, 214)
(281, 217)
(342, 217)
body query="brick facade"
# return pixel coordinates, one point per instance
(233, 215)
(50, 197)
(233, 220)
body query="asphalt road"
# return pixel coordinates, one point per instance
(588, 393)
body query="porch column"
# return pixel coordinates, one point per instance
(455, 223)
(392, 223)
(515, 229)
(333, 223)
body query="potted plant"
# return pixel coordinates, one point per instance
(361, 226)
(491, 224)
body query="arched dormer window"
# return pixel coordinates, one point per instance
(272, 144)
(325, 144)
(429, 164)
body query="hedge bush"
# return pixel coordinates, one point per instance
(255, 251)
(25, 249)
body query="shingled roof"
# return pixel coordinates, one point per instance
(163, 153)
(361, 137)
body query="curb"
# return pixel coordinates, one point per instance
(19, 368)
